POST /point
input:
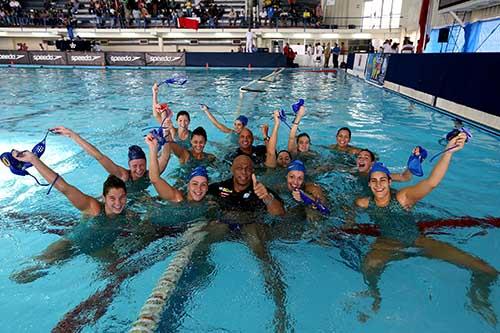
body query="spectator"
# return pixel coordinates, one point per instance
(319, 14)
(306, 16)
(290, 55)
(249, 42)
(318, 55)
(407, 46)
(263, 17)
(328, 51)
(232, 17)
(335, 55)
(395, 48)
(294, 17)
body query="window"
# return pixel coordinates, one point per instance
(382, 14)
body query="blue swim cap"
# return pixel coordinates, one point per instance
(243, 119)
(296, 165)
(136, 153)
(296, 106)
(415, 162)
(379, 167)
(198, 171)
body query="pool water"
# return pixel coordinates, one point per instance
(223, 290)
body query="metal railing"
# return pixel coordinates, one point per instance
(108, 22)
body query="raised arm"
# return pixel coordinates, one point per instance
(181, 153)
(155, 104)
(165, 191)
(292, 140)
(105, 161)
(214, 121)
(408, 196)
(80, 200)
(271, 145)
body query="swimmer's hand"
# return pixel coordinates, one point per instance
(204, 107)
(155, 88)
(61, 130)
(296, 195)
(265, 130)
(151, 141)
(24, 156)
(302, 111)
(276, 116)
(259, 189)
(457, 143)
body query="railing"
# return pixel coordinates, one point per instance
(330, 23)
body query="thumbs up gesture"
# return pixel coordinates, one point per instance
(259, 189)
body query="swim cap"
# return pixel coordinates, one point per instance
(296, 106)
(198, 171)
(379, 167)
(136, 153)
(296, 165)
(243, 119)
(415, 162)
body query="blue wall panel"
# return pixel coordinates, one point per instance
(218, 59)
(470, 79)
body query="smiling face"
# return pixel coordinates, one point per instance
(137, 168)
(343, 138)
(242, 170)
(183, 122)
(380, 184)
(246, 139)
(303, 144)
(283, 159)
(115, 201)
(364, 162)
(294, 180)
(197, 188)
(198, 144)
(238, 126)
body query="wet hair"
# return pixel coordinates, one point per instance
(302, 135)
(372, 155)
(183, 113)
(344, 129)
(284, 151)
(199, 131)
(113, 182)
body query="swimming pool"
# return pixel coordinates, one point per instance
(223, 289)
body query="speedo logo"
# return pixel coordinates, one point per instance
(48, 57)
(163, 58)
(84, 58)
(123, 58)
(11, 56)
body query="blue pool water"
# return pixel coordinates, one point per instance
(223, 290)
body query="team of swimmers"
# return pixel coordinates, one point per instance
(243, 199)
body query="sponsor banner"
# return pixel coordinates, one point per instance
(165, 59)
(125, 59)
(47, 58)
(85, 58)
(14, 57)
(359, 65)
(376, 67)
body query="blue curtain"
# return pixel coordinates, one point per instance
(482, 36)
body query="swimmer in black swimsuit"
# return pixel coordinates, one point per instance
(391, 211)
(256, 153)
(242, 201)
